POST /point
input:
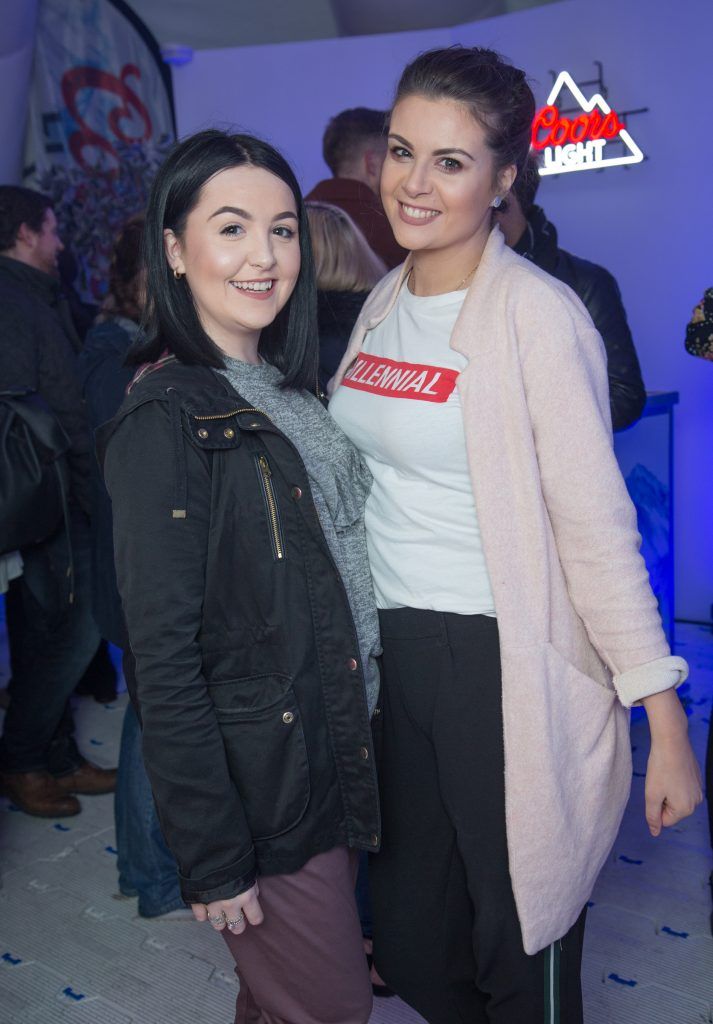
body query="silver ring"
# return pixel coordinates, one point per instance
(236, 922)
(215, 919)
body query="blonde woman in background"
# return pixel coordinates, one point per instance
(347, 269)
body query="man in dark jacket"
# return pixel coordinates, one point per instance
(354, 148)
(530, 234)
(51, 632)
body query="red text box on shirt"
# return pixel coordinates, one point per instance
(393, 379)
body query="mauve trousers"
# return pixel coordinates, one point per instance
(305, 963)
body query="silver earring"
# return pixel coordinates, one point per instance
(496, 202)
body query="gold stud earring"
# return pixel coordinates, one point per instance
(177, 273)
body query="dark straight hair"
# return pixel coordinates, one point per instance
(496, 93)
(171, 322)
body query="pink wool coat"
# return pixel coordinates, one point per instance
(580, 634)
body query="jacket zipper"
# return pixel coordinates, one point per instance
(227, 415)
(265, 474)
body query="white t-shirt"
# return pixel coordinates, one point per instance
(399, 405)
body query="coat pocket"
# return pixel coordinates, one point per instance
(567, 779)
(265, 747)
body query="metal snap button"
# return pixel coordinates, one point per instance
(352, 664)
(203, 433)
(374, 839)
(229, 433)
(288, 717)
(363, 753)
(296, 493)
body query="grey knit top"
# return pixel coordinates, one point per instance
(340, 483)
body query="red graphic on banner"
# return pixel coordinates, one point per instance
(387, 377)
(120, 117)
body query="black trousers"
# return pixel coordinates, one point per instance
(51, 644)
(446, 931)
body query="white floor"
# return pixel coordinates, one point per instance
(70, 951)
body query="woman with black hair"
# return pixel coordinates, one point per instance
(241, 562)
(517, 618)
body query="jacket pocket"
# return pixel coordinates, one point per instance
(264, 742)
(277, 540)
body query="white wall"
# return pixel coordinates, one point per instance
(287, 93)
(652, 225)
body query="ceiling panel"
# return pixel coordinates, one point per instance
(212, 24)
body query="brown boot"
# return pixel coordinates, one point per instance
(88, 779)
(37, 793)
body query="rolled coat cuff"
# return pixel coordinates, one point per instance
(236, 878)
(653, 677)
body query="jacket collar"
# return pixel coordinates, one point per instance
(43, 286)
(344, 189)
(539, 241)
(203, 391)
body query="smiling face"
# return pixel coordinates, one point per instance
(240, 253)
(439, 179)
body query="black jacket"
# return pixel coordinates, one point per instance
(599, 292)
(104, 382)
(337, 313)
(257, 740)
(37, 351)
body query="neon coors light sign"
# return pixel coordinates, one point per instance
(580, 142)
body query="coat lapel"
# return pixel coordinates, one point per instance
(472, 334)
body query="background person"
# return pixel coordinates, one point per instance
(346, 269)
(699, 342)
(51, 633)
(528, 231)
(517, 620)
(241, 561)
(354, 147)
(146, 867)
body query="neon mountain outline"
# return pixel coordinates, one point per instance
(564, 79)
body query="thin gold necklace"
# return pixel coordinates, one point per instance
(469, 274)
(460, 283)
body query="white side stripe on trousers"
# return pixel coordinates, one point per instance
(552, 984)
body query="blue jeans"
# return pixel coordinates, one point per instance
(146, 866)
(52, 640)
(363, 898)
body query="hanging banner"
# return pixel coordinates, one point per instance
(100, 123)
(589, 140)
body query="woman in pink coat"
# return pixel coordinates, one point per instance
(517, 619)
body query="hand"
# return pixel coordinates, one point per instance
(236, 913)
(673, 783)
